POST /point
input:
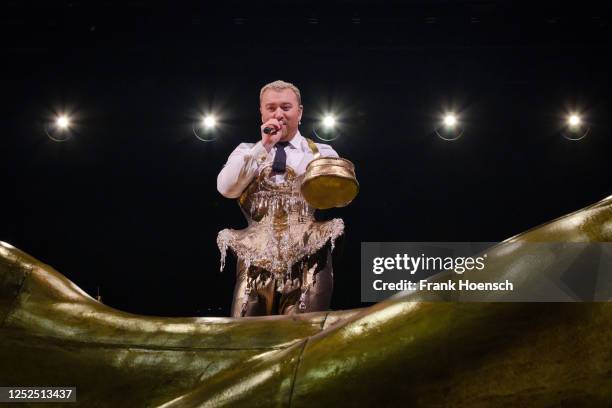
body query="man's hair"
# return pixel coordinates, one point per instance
(279, 86)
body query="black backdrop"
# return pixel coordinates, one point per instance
(129, 204)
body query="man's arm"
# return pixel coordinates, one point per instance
(240, 169)
(244, 161)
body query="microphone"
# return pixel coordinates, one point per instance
(270, 130)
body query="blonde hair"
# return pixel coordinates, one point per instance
(279, 86)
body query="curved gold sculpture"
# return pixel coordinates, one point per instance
(400, 352)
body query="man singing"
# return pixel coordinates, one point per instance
(284, 255)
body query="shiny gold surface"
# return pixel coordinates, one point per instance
(277, 252)
(400, 352)
(329, 182)
(281, 226)
(52, 333)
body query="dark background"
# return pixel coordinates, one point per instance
(129, 204)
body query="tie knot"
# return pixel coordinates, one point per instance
(282, 144)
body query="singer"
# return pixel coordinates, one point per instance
(284, 255)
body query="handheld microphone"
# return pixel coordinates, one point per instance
(270, 130)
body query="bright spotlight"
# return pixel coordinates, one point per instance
(62, 122)
(204, 128)
(209, 122)
(450, 128)
(329, 121)
(574, 120)
(327, 129)
(450, 120)
(575, 128)
(59, 128)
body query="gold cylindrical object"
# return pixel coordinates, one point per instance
(329, 182)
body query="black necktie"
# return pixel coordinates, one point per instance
(280, 159)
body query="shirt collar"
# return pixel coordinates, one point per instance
(297, 140)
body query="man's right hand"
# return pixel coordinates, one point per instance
(269, 140)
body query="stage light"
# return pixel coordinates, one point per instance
(209, 122)
(327, 129)
(62, 122)
(574, 120)
(450, 129)
(59, 129)
(450, 120)
(329, 121)
(575, 128)
(205, 128)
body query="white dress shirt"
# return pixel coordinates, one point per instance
(248, 159)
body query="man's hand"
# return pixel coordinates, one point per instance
(269, 140)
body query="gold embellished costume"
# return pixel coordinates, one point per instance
(284, 255)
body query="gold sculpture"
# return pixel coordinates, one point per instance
(400, 352)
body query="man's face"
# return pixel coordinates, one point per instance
(283, 106)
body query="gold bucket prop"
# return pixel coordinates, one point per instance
(329, 182)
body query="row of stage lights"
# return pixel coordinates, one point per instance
(574, 128)
(450, 129)
(205, 128)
